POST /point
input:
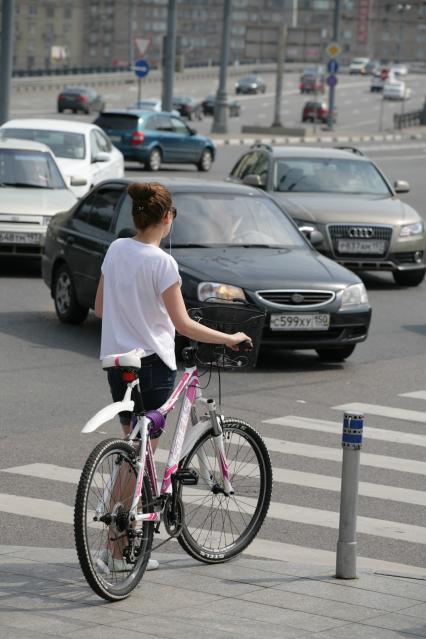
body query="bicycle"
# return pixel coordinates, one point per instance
(213, 497)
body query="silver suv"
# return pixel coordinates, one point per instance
(345, 204)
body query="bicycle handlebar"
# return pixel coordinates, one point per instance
(245, 346)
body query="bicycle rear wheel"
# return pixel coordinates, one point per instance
(113, 553)
(218, 527)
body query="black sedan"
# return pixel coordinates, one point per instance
(231, 242)
(209, 103)
(187, 107)
(76, 98)
(250, 84)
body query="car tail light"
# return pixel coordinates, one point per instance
(61, 97)
(138, 137)
(83, 98)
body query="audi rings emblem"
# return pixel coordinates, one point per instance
(362, 232)
(297, 298)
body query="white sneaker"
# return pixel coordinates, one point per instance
(102, 561)
(152, 564)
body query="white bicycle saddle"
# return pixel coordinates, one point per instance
(132, 359)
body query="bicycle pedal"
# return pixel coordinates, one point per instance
(186, 476)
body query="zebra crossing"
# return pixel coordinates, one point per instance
(381, 528)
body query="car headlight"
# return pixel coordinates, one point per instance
(224, 292)
(411, 229)
(354, 295)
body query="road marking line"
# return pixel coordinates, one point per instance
(281, 475)
(384, 411)
(421, 394)
(308, 423)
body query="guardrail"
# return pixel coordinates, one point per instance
(411, 118)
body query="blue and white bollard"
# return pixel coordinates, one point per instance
(353, 425)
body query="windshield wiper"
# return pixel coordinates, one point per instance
(191, 245)
(25, 185)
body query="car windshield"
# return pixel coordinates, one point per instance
(328, 175)
(222, 219)
(63, 143)
(32, 169)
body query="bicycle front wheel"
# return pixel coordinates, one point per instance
(113, 552)
(218, 527)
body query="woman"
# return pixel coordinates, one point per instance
(141, 304)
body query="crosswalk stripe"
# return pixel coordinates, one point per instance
(62, 513)
(382, 434)
(421, 394)
(384, 411)
(287, 512)
(281, 475)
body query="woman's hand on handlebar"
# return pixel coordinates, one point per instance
(234, 342)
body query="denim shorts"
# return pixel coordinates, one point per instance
(156, 384)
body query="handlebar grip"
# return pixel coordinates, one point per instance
(245, 346)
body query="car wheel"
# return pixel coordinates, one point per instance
(335, 354)
(408, 278)
(68, 310)
(74, 110)
(60, 110)
(154, 160)
(206, 160)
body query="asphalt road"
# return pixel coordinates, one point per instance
(51, 383)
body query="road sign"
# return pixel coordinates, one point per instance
(332, 66)
(333, 49)
(332, 80)
(142, 45)
(141, 68)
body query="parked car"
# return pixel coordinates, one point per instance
(156, 138)
(316, 112)
(33, 189)
(231, 242)
(312, 83)
(394, 89)
(346, 197)
(82, 150)
(188, 107)
(208, 106)
(372, 67)
(76, 98)
(149, 104)
(358, 66)
(250, 84)
(377, 83)
(399, 70)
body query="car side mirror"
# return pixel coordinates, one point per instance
(314, 236)
(253, 180)
(127, 232)
(192, 131)
(401, 186)
(78, 180)
(101, 157)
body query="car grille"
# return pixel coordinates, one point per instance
(294, 298)
(362, 232)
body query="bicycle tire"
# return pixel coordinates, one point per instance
(238, 435)
(90, 492)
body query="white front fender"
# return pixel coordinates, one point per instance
(106, 414)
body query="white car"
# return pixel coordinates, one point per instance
(82, 150)
(357, 66)
(399, 70)
(33, 189)
(396, 90)
(149, 104)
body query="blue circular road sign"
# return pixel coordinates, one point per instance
(332, 66)
(141, 68)
(332, 80)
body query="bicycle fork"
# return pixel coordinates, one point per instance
(220, 453)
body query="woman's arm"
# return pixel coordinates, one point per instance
(189, 328)
(99, 300)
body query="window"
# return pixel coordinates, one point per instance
(103, 142)
(164, 123)
(246, 165)
(179, 126)
(83, 211)
(125, 219)
(103, 207)
(62, 143)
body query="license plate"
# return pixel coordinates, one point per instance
(301, 322)
(7, 237)
(361, 246)
(115, 138)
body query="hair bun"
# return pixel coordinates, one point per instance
(141, 191)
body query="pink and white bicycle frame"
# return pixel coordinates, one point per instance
(183, 441)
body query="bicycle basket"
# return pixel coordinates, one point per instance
(229, 318)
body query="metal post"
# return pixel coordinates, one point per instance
(220, 119)
(282, 40)
(347, 546)
(331, 90)
(169, 58)
(6, 58)
(131, 11)
(381, 113)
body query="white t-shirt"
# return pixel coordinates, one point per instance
(134, 314)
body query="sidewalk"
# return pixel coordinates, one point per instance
(43, 594)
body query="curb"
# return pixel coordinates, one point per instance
(326, 139)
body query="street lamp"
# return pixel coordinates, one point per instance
(402, 8)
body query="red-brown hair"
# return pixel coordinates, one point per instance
(151, 201)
